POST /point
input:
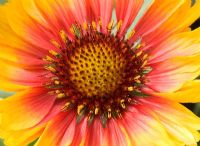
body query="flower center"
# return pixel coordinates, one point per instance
(97, 69)
(97, 74)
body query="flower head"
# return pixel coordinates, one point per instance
(99, 72)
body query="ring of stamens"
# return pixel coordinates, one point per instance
(98, 74)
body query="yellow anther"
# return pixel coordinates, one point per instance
(57, 91)
(110, 24)
(138, 46)
(66, 106)
(131, 88)
(91, 111)
(49, 59)
(100, 23)
(131, 34)
(56, 44)
(96, 111)
(94, 25)
(119, 25)
(51, 93)
(63, 36)
(129, 100)
(52, 52)
(57, 82)
(72, 30)
(80, 108)
(139, 53)
(61, 95)
(138, 81)
(50, 68)
(122, 103)
(109, 113)
(85, 26)
(144, 63)
(137, 77)
(119, 113)
(145, 56)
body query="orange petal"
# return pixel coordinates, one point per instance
(142, 128)
(30, 107)
(126, 11)
(180, 123)
(170, 75)
(186, 14)
(188, 93)
(115, 135)
(29, 30)
(57, 14)
(16, 45)
(80, 133)
(14, 74)
(103, 11)
(157, 14)
(183, 44)
(96, 134)
(55, 130)
(8, 86)
(22, 137)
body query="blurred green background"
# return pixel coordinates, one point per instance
(194, 107)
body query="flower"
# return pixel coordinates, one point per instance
(99, 72)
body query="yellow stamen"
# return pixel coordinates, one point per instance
(129, 100)
(72, 30)
(57, 82)
(52, 52)
(80, 108)
(119, 25)
(85, 26)
(131, 34)
(96, 111)
(49, 59)
(100, 23)
(56, 44)
(138, 81)
(94, 25)
(144, 63)
(131, 88)
(137, 77)
(57, 91)
(50, 68)
(139, 53)
(145, 56)
(119, 113)
(66, 106)
(60, 95)
(63, 36)
(122, 104)
(138, 46)
(109, 113)
(110, 25)
(51, 93)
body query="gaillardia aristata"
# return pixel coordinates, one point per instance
(99, 72)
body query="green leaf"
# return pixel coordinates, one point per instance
(1, 2)
(1, 142)
(32, 143)
(4, 94)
